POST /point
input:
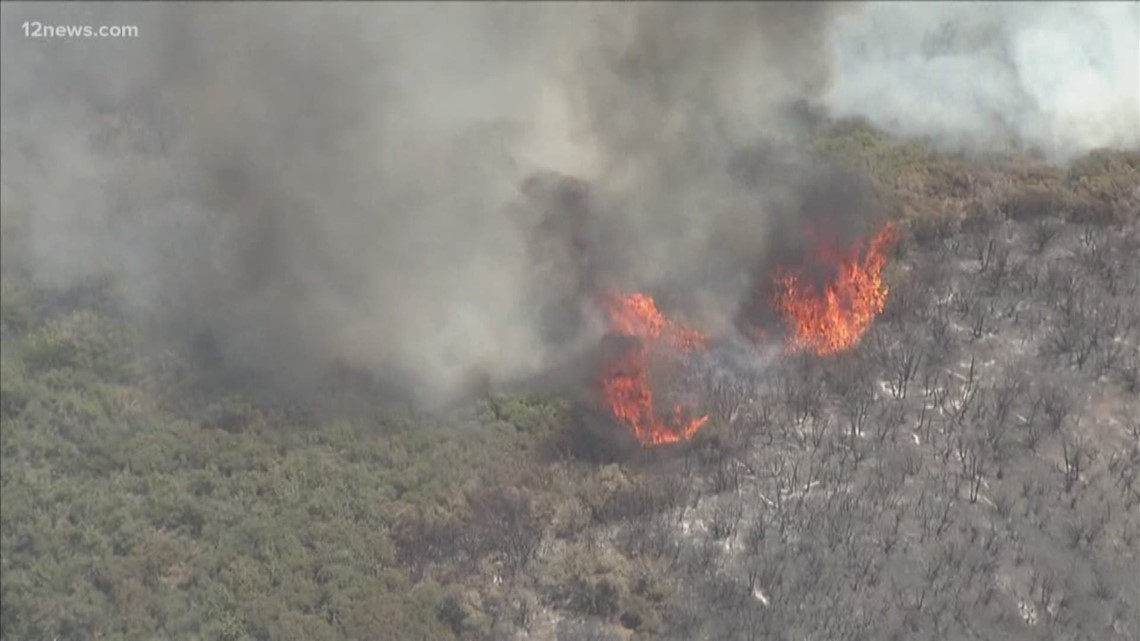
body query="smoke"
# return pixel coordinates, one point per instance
(1055, 78)
(428, 192)
(308, 187)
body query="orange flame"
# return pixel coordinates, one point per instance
(834, 320)
(625, 383)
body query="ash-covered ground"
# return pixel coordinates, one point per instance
(968, 471)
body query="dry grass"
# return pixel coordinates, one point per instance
(916, 182)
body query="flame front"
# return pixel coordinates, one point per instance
(834, 320)
(625, 385)
(824, 322)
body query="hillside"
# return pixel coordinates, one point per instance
(969, 471)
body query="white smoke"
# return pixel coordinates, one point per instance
(1056, 78)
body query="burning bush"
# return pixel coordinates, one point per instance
(827, 303)
(832, 318)
(626, 387)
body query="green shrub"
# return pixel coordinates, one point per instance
(525, 415)
(1105, 176)
(860, 147)
(587, 580)
(17, 306)
(1036, 203)
(82, 341)
(461, 610)
(15, 390)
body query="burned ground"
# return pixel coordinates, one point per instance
(966, 472)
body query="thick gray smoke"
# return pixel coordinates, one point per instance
(384, 186)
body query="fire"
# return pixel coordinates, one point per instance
(626, 388)
(825, 320)
(834, 320)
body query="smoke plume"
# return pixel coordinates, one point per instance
(1054, 78)
(428, 192)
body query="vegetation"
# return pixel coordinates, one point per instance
(123, 519)
(968, 472)
(919, 183)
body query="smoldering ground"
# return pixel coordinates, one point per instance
(424, 192)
